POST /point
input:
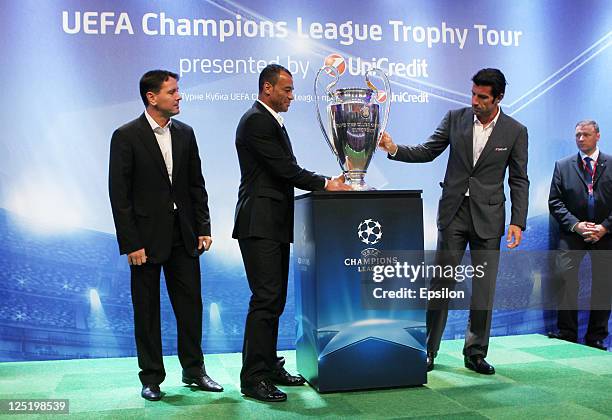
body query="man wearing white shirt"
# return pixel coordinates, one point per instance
(263, 225)
(484, 142)
(581, 201)
(160, 210)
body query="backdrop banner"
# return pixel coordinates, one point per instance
(71, 77)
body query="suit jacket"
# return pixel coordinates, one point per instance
(269, 172)
(568, 196)
(142, 196)
(506, 148)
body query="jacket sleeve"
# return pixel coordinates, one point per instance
(607, 223)
(518, 180)
(556, 205)
(197, 190)
(120, 192)
(263, 142)
(431, 149)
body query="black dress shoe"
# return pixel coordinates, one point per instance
(264, 390)
(478, 364)
(561, 336)
(430, 361)
(203, 381)
(282, 377)
(598, 344)
(151, 392)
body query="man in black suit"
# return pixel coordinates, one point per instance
(581, 201)
(160, 209)
(483, 143)
(264, 228)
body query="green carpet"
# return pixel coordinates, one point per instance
(536, 378)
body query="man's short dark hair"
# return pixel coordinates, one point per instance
(271, 74)
(152, 81)
(491, 77)
(588, 122)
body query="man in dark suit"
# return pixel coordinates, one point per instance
(483, 143)
(581, 201)
(264, 228)
(160, 209)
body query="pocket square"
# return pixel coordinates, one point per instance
(501, 149)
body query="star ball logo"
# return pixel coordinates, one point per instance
(336, 61)
(369, 232)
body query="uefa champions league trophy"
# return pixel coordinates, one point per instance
(353, 123)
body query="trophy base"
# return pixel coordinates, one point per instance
(361, 187)
(356, 180)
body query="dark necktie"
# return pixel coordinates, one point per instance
(591, 200)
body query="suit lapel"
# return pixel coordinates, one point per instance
(178, 144)
(287, 142)
(495, 139)
(578, 168)
(283, 135)
(468, 139)
(147, 137)
(601, 167)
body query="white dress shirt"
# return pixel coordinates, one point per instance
(162, 134)
(481, 134)
(480, 137)
(164, 141)
(275, 114)
(594, 156)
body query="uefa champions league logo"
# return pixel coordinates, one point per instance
(369, 232)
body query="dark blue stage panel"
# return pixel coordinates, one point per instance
(342, 343)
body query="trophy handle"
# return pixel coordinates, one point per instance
(385, 79)
(328, 89)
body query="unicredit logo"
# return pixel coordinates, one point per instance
(336, 61)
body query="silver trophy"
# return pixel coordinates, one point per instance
(354, 123)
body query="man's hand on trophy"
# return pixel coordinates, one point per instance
(386, 144)
(337, 184)
(340, 178)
